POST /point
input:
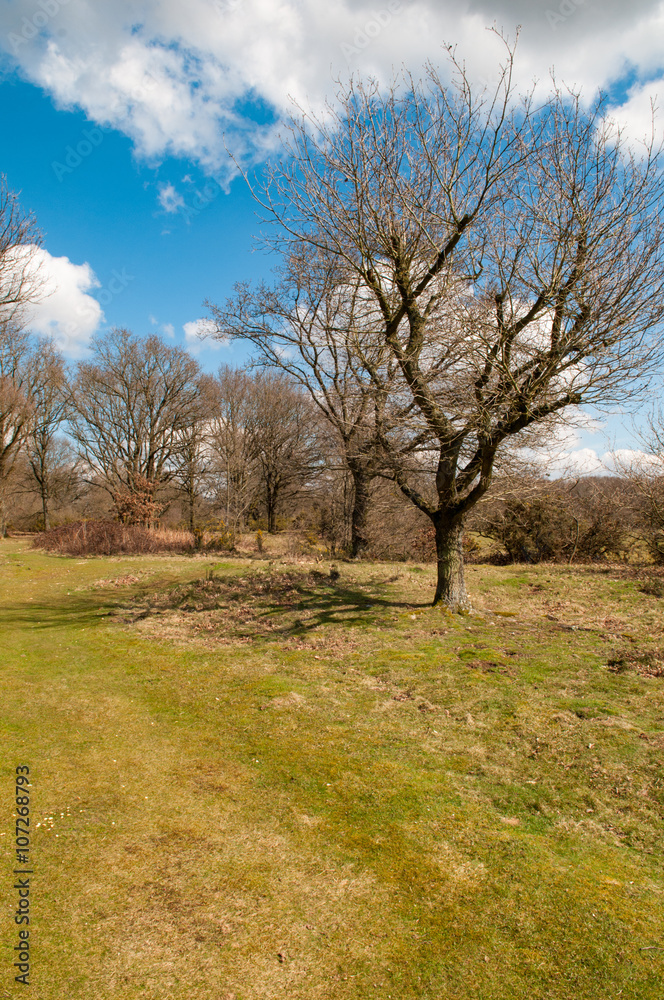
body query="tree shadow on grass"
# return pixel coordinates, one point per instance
(282, 605)
(336, 605)
(277, 607)
(82, 611)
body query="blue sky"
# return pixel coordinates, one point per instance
(103, 208)
(118, 118)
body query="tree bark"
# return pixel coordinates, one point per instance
(191, 499)
(271, 510)
(192, 514)
(359, 541)
(450, 585)
(45, 513)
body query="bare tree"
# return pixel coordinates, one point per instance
(20, 282)
(265, 437)
(19, 285)
(512, 257)
(645, 477)
(17, 373)
(284, 440)
(311, 325)
(129, 407)
(235, 473)
(51, 463)
(194, 461)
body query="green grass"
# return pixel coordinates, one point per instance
(255, 782)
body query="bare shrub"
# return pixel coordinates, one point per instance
(108, 538)
(558, 522)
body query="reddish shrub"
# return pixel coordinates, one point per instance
(109, 538)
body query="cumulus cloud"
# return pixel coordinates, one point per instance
(170, 199)
(628, 458)
(198, 334)
(568, 449)
(192, 79)
(580, 447)
(66, 311)
(640, 114)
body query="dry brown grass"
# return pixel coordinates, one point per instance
(109, 538)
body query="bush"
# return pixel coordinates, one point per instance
(215, 536)
(656, 546)
(535, 530)
(109, 538)
(558, 525)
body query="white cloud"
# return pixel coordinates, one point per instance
(569, 450)
(198, 336)
(640, 114)
(189, 79)
(579, 462)
(566, 450)
(66, 311)
(626, 458)
(168, 330)
(170, 199)
(198, 328)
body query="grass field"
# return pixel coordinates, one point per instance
(250, 780)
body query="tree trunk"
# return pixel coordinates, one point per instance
(45, 514)
(271, 510)
(359, 541)
(191, 501)
(450, 585)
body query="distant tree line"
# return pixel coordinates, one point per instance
(138, 432)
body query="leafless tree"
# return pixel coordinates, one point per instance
(129, 407)
(53, 476)
(235, 472)
(195, 457)
(19, 285)
(312, 326)
(20, 282)
(51, 463)
(512, 257)
(17, 376)
(265, 437)
(284, 439)
(645, 476)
